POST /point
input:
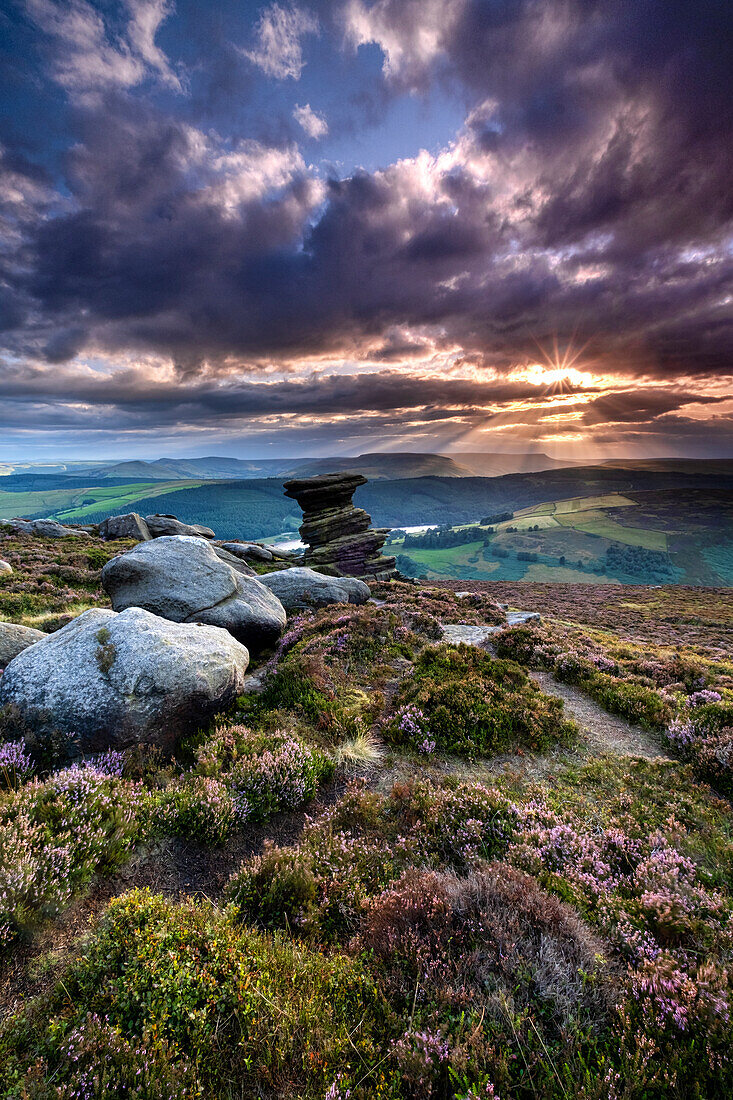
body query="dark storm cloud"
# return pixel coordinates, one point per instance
(589, 197)
(381, 391)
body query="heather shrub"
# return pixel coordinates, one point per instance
(518, 643)
(241, 776)
(703, 734)
(16, 765)
(422, 604)
(328, 665)
(94, 1059)
(55, 835)
(668, 927)
(493, 951)
(361, 844)
(492, 933)
(282, 774)
(460, 700)
(632, 701)
(200, 808)
(258, 1016)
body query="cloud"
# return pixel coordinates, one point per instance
(412, 34)
(586, 199)
(146, 17)
(278, 49)
(88, 58)
(314, 124)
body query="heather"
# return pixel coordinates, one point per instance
(53, 580)
(183, 999)
(682, 693)
(460, 700)
(397, 869)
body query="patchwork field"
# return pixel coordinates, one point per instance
(648, 537)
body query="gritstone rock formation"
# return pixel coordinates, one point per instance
(111, 680)
(339, 535)
(186, 579)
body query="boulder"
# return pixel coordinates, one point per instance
(236, 563)
(5, 567)
(248, 551)
(113, 680)
(128, 526)
(161, 525)
(48, 528)
(14, 639)
(299, 588)
(181, 578)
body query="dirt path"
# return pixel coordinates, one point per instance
(604, 732)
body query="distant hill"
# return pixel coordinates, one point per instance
(375, 465)
(689, 517)
(488, 464)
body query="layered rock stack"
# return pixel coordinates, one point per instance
(338, 535)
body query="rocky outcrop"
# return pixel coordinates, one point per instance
(14, 639)
(161, 525)
(248, 551)
(47, 528)
(113, 680)
(182, 579)
(339, 536)
(128, 526)
(300, 588)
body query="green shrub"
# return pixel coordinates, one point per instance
(460, 700)
(361, 844)
(257, 1016)
(631, 700)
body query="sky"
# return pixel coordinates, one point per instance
(355, 225)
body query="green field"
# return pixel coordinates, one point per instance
(596, 522)
(75, 505)
(664, 538)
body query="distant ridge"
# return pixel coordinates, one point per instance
(376, 465)
(498, 463)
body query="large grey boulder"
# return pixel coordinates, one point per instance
(14, 639)
(299, 588)
(161, 525)
(128, 526)
(113, 680)
(183, 579)
(248, 551)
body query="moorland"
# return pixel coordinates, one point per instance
(403, 866)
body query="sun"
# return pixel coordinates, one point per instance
(538, 374)
(555, 368)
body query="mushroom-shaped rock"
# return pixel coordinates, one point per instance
(299, 588)
(112, 680)
(14, 639)
(181, 578)
(128, 526)
(161, 525)
(248, 551)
